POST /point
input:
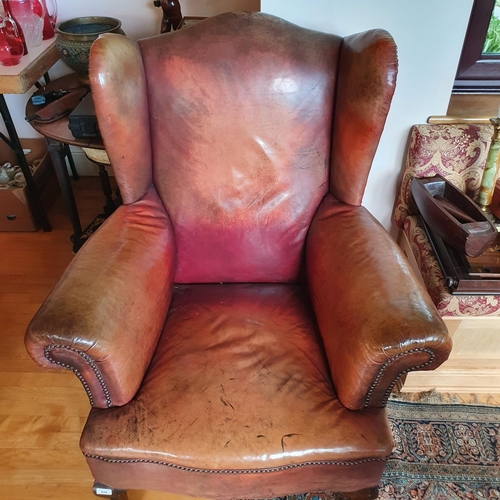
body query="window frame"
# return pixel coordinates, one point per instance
(477, 72)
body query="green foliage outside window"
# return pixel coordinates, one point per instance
(492, 41)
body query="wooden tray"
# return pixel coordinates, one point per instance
(467, 275)
(453, 216)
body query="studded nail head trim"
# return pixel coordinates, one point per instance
(232, 471)
(92, 365)
(389, 362)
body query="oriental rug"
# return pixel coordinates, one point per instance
(441, 452)
(88, 232)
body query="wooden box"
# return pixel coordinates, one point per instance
(15, 214)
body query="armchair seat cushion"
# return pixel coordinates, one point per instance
(238, 398)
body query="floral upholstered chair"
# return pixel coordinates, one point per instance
(458, 153)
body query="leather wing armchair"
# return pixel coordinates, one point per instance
(239, 323)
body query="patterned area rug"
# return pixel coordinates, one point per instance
(442, 452)
(88, 232)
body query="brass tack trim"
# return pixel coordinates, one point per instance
(381, 370)
(232, 471)
(92, 365)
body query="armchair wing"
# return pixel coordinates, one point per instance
(110, 303)
(376, 319)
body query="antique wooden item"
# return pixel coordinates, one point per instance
(467, 275)
(452, 215)
(172, 15)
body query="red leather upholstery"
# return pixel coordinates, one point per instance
(124, 113)
(252, 394)
(241, 181)
(382, 344)
(237, 144)
(104, 318)
(367, 77)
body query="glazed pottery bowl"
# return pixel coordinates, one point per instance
(74, 38)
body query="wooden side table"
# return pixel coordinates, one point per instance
(18, 80)
(101, 159)
(59, 137)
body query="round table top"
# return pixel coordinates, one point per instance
(59, 130)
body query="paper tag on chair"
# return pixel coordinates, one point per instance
(104, 491)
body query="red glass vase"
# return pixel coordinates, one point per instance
(11, 45)
(8, 14)
(49, 8)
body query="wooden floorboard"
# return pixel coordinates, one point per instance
(42, 412)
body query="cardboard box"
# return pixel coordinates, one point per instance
(15, 214)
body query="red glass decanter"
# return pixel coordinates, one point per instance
(8, 14)
(11, 45)
(47, 10)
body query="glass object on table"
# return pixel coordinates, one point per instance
(49, 17)
(8, 13)
(11, 45)
(27, 15)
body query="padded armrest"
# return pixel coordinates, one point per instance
(104, 317)
(376, 319)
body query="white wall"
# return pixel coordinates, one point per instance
(429, 35)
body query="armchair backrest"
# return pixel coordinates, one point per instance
(247, 126)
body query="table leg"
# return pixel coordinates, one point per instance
(32, 194)
(68, 154)
(110, 206)
(57, 153)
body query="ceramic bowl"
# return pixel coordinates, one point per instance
(75, 37)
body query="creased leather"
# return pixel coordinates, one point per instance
(317, 477)
(367, 72)
(240, 131)
(238, 381)
(111, 302)
(374, 315)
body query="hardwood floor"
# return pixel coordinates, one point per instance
(42, 412)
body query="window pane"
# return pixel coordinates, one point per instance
(492, 41)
